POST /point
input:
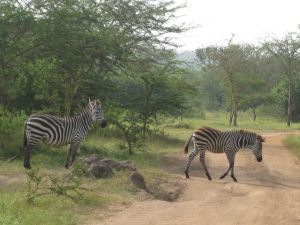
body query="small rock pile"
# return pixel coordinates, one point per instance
(99, 168)
(102, 168)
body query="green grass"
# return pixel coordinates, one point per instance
(47, 210)
(221, 121)
(50, 209)
(148, 158)
(293, 143)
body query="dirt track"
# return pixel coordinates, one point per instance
(267, 193)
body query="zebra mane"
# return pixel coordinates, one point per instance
(84, 111)
(246, 132)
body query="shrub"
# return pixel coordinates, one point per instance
(11, 133)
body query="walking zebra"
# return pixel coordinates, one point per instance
(230, 142)
(58, 131)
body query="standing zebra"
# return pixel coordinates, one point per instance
(58, 131)
(230, 142)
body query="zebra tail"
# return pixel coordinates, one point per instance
(186, 146)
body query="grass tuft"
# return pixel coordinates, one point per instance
(292, 142)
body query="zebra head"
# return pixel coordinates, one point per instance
(257, 148)
(97, 113)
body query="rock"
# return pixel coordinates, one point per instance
(91, 159)
(99, 170)
(119, 165)
(138, 180)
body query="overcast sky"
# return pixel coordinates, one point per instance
(250, 21)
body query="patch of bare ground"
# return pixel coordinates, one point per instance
(266, 192)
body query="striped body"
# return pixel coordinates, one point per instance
(228, 142)
(58, 131)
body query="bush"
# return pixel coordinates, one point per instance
(293, 143)
(11, 133)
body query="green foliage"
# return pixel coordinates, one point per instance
(131, 128)
(292, 142)
(54, 54)
(11, 133)
(69, 186)
(15, 211)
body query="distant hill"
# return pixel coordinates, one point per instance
(189, 57)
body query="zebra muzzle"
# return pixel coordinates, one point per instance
(259, 159)
(103, 123)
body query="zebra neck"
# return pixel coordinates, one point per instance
(246, 141)
(84, 118)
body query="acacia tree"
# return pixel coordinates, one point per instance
(232, 61)
(16, 45)
(152, 87)
(85, 41)
(287, 52)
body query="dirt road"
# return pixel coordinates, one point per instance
(267, 193)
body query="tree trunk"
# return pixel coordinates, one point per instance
(234, 111)
(233, 115)
(129, 144)
(148, 93)
(289, 104)
(71, 90)
(254, 114)
(145, 118)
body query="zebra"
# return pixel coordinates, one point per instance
(216, 141)
(59, 131)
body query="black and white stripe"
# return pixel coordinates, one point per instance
(58, 131)
(228, 142)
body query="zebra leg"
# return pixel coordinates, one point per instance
(202, 161)
(225, 174)
(27, 151)
(68, 157)
(232, 172)
(191, 157)
(72, 154)
(230, 157)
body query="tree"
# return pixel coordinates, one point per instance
(151, 87)
(84, 41)
(232, 61)
(16, 45)
(287, 51)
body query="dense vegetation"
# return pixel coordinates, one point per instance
(55, 55)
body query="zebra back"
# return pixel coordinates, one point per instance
(216, 141)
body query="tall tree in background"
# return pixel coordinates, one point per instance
(152, 87)
(231, 60)
(287, 51)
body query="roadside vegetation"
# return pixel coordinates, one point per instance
(56, 55)
(292, 142)
(54, 208)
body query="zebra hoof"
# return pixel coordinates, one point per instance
(28, 167)
(234, 179)
(221, 177)
(187, 175)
